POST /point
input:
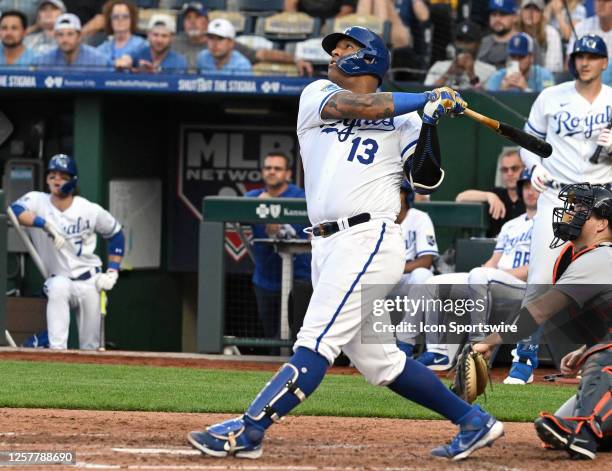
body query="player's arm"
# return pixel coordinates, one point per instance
(116, 248)
(519, 272)
(347, 105)
(424, 261)
(493, 261)
(29, 218)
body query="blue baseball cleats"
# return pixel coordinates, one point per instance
(477, 429)
(232, 437)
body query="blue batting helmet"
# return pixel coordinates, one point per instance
(588, 43)
(66, 164)
(372, 59)
(525, 177)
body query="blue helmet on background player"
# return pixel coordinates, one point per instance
(372, 59)
(588, 43)
(65, 164)
(524, 177)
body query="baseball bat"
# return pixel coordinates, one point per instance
(523, 139)
(28, 243)
(595, 157)
(102, 321)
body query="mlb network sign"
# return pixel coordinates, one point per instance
(227, 160)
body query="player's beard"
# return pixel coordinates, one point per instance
(502, 32)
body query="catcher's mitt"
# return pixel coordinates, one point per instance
(471, 374)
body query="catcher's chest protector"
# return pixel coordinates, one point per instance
(568, 255)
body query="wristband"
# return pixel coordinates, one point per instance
(114, 265)
(408, 102)
(39, 222)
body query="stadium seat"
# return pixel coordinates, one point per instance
(273, 68)
(255, 42)
(288, 26)
(260, 6)
(215, 4)
(242, 24)
(310, 50)
(382, 28)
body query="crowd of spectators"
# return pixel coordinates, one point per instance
(514, 45)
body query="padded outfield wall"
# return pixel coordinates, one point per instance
(126, 134)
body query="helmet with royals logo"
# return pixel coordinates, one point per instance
(65, 164)
(372, 59)
(590, 43)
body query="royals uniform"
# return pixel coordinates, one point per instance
(495, 285)
(74, 268)
(571, 125)
(352, 166)
(419, 240)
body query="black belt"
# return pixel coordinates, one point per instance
(325, 229)
(87, 275)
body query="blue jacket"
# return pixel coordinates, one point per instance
(267, 274)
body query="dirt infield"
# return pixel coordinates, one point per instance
(140, 440)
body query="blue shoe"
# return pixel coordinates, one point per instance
(407, 348)
(525, 360)
(231, 437)
(477, 430)
(434, 361)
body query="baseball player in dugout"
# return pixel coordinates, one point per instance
(356, 146)
(63, 228)
(582, 282)
(575, 118)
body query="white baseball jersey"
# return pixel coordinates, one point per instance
(419, 235)
(351, 166)
(513, 242)
(571, 125)
(78, 224)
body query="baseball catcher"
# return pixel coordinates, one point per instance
(582, 283)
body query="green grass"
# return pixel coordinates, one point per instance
(114, 387)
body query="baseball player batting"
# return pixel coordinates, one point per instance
(63, 229)
(354, 145)
(573, 117)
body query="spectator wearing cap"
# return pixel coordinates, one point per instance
(547, 51)
(600, 24)
(70, 52)
(556, 15)
(523, 75)
(157, 55)
(464, 71)
(323, 10)
(220, 57)
(43, 40)
(121, 20)
(194, 39)
(13, 52)
(502, 21)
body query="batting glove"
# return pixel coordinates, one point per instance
(605, 140)
(58, 239)
(540, 178)
(442, 101)
(106, 281)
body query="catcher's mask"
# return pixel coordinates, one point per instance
(580, 201)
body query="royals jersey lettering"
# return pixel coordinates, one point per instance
(351, 166)
(78, 224)
(571, 125)
(514, 241)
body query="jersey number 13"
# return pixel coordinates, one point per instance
(369, 148)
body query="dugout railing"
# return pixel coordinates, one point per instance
(218, 212)
(3, 273)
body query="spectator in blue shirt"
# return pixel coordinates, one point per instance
(521, 74)
(69, 51)
(276, 174)
(157, 55)
(121, 21)
(220, 57)
(13, 52)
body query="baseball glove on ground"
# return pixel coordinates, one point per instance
(471, 375)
